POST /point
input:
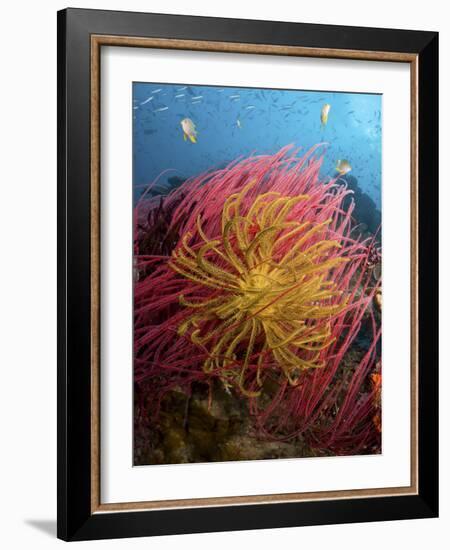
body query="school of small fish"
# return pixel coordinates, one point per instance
(197, 102)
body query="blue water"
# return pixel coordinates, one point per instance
(268, 118)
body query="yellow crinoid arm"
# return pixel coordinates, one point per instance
(268, 294)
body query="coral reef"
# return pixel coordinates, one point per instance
(252, 300)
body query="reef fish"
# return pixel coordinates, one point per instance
(343, 167)
(324, 113)
(189, 130)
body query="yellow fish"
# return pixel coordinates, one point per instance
(238, 123)
(324, 113)
(343, 167)
(189, 130)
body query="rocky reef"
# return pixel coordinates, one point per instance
(257, 307)
(208, 427)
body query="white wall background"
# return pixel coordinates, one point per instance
(28, 272)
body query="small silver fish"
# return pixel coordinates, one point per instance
(147, 100)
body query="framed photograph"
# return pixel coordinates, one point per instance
(247, 263)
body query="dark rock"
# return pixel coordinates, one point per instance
(199, 429)
(366, 211)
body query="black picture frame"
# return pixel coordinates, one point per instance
(76, 521)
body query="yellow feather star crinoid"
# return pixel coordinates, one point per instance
(263, 298)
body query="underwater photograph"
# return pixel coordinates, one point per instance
(257, 262)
